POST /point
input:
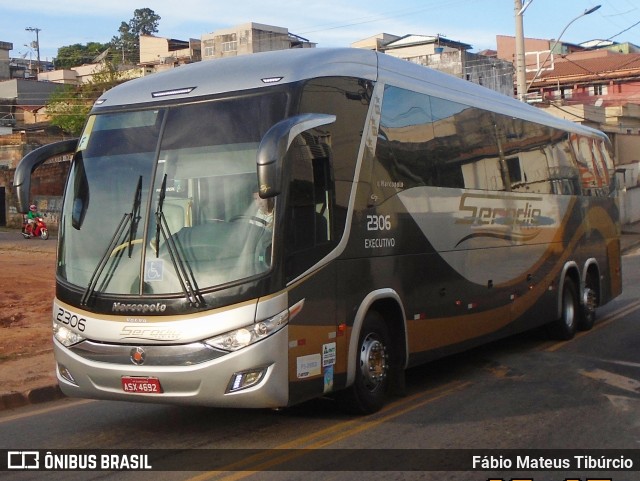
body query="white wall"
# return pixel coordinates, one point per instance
(629, 203)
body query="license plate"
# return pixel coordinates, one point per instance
(145, 385)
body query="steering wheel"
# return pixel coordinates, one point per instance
(249, 218)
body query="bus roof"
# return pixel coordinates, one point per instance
(245, 72)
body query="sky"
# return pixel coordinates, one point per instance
(329, 23)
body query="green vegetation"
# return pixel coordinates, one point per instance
(69, 105)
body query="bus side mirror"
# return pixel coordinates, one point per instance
(30, 162)
(274, 146)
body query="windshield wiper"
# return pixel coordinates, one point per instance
(183, 270)
(135, 215)
(127, 218)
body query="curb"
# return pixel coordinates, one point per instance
(37, 395)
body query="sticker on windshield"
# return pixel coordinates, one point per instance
(153, 270)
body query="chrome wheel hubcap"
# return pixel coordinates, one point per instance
(373, 362)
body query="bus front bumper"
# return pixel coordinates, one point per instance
(216, 383)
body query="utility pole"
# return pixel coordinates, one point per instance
(37, 43)
(521, 68)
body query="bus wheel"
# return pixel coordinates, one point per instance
(588, 308)
(369, 390)
(564, 328)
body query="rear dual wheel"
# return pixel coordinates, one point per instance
(370, 388)
(564, 328)
(589, 304)
(575, 315)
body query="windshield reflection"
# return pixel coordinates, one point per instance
(198, 225)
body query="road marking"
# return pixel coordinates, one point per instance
(614, 316)
(623, 403)
(621, 363)
(328, 436)
(612, 379)
(68, 403)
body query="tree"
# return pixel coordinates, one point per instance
(69, 105)
(144, 22)
(68, 109)
(78, 54)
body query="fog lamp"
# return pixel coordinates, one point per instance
(66, 374)
(244, 379)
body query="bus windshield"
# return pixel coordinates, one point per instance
(161, 199)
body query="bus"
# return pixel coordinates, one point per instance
(261, 230)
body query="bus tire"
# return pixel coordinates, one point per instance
(369, 391)
(588, 307)
(564, 328)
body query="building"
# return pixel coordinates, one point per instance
(249, 38)
(611, 45)
(537, 51)
(597, 88)
(596, 83)
(157, 53)
(377, 42)
(5, 72)
(25, 99)
(86, 74)
(446, 55)
(416, 48)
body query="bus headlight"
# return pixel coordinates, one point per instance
(66, 336)
(235, 340)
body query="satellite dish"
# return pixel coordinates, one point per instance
(598, 103)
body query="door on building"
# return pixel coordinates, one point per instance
(3, 208)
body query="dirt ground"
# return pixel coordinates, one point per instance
(27, 288)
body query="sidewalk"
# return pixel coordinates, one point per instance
(49, 391)
(630, 237)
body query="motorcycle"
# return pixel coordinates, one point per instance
(39, 229)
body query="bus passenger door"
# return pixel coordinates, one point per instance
(309, 237)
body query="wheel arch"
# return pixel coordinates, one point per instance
(388, 304)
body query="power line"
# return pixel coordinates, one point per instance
(429, 6)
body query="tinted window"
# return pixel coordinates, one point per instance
(322, 165)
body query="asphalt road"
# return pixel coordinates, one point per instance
(525, 392)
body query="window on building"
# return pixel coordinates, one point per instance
(228, 42)
(229, 46)
(598, 90)
(566, 93)
(515, 172)
(209, 48)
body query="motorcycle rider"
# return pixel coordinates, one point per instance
(32, 215)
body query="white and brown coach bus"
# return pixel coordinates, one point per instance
(409, 215)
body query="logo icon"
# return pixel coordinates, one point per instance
(23, 460)
(138, 356)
